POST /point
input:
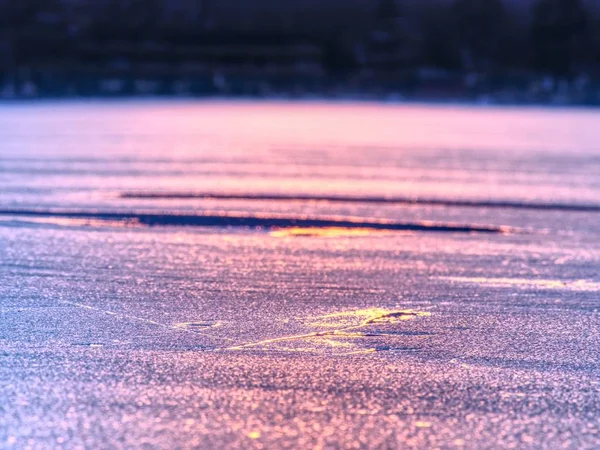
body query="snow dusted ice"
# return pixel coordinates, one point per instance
(277, 275)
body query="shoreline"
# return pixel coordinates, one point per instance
(382, 101)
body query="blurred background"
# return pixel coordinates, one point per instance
(489, 51)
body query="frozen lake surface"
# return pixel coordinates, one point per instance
(298, 275)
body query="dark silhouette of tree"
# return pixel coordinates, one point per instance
(482, 28)
(36, 31)
(440, 47)
(384, 40)
(387, 9)
(560, 36)
(387, 40)
(135, 19)
(594, 55)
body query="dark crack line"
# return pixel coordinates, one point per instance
(256, 221)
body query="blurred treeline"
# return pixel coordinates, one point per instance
(84, 46)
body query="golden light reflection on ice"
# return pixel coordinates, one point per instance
(327, 232)
(366, 316)
(254, 434)
(346, 333)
